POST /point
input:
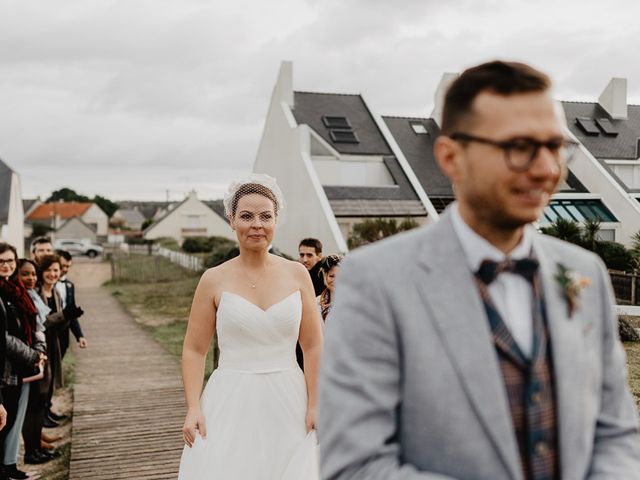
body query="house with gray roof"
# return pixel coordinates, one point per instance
(11, 209)
(335, 163)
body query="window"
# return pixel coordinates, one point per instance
(343, 136)
(577, 211)
(588, 125)
(419, 128)
(607, 127)
(336, 122)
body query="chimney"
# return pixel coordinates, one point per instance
(441, 90)
(614, 98)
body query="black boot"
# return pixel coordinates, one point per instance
(13, 473)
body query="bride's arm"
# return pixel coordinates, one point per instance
(310, 339)
(194, 352)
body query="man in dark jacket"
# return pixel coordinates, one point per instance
(310, 253)
(67, 291)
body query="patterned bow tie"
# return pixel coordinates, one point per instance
(489, 270)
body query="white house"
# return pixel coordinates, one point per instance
(54, 214)
(75, 228)
(191, 218)
(131, 218)
(11, 209)
(336, 165)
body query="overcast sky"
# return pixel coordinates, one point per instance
(131, 98)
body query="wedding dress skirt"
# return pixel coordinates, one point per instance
(255, 402)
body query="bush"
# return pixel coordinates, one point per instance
(615, 256)
(206, 244)
(167, 242)
(221, 255)
(369, 231)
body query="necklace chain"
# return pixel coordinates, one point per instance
(251, 282)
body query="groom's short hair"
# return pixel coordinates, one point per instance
(502, 78)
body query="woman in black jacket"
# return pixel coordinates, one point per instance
(25, 351)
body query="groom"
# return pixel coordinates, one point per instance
(476, 348)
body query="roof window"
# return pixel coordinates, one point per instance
(419, 128)
(588, 125)
(336, 122)
(340, 129)
(343, 135)
(607, 127)
(577, 210)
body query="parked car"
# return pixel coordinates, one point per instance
(78, 247)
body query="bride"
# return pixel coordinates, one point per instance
(256, 417)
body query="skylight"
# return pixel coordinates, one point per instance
(336, 122)
(588, 125)
(419, 128)
(577, 210)
(607, 127)
(345, 135)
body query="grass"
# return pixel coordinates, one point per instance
(147, 269)
(633, 363)
(162, 309)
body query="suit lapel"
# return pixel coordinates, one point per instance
(449, 292)
(567, 350)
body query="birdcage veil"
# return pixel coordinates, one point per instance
(259, 183)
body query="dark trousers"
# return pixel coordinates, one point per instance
(36, 409)
(11, 397)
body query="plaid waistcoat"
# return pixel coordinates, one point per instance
(530, 389)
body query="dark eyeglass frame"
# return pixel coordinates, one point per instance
(554, 146)
(10, 261)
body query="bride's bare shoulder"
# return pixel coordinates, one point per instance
(214, 274)
(291, 266)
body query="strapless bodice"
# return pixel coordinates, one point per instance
(254, 340)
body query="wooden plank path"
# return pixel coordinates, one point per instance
(128, 401)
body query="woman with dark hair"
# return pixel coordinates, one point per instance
(25, 351)
(329, 269)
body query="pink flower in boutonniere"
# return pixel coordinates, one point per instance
(572, 284)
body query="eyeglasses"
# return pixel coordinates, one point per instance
(11, 261)
(520, 152)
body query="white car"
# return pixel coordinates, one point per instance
(78, 247)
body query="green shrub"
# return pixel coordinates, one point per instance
(221, 255)
(369, 231)
(206, 244)
(615, 255)
(167, 242)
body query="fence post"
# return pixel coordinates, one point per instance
(113, 268)
(633, 289)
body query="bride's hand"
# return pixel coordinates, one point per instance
(194, 422)
(310, 419)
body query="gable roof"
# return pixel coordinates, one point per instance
(6, 174)
(131, 215)
(92, 228)
(213, 205)
(66, 210)
(418, 150)
(309, 108)
(218, 207)
(623, 146)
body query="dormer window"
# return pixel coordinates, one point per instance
(588, 125)
(607, 127)
(340, 129)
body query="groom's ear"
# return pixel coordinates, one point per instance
(447, 152)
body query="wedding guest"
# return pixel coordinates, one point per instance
(56, 321)
(3, 352)
(25, 353)
(40, 247)
(67, 291)
(329, 266)
(310, 254)
(488, 351)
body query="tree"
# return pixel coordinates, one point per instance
(369, 231)
(106, 205)
(564, 230)
(591, 233)
(67, 195)
(40, 229)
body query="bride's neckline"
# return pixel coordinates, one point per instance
(257, 306)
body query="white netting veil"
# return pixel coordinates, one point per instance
(259, 183)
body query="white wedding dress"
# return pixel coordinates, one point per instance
(255, 402)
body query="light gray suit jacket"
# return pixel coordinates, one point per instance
(410, 385)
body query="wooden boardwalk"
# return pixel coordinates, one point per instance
(128, 401)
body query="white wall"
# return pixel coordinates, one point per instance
(597, 180)
(194, 216)
(13, 233)
(627, 171)
(369, 172)
(285, 153)
(95, 215)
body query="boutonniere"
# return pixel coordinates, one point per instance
(572, 284)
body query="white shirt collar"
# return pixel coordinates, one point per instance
(477, 248)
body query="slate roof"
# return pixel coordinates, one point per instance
(218, 207)
(5, 191)
(27, 203)
(377, 208)
(131, 216)
(309, 108)
(624, 146)
(418, 150)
